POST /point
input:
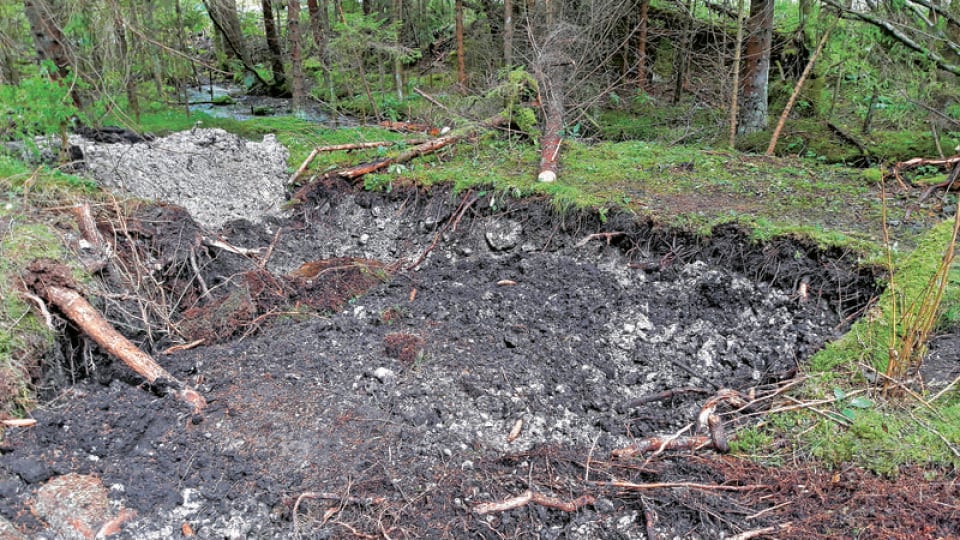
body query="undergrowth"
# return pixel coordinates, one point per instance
(26, 233)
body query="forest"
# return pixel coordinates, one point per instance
(479, 268)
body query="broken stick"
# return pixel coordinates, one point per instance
(429, 147)
(530, 497)
(51, 281)
(346, 147)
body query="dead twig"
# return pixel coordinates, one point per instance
(661, 444)
(230, 248)
(343, 500)
(632, 486)
(528, 497)
(605, 235)
(466, 203)
(747, 535)
(42, 306)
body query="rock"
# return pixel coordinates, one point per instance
(32, 471)
(503, 235)
(8, 531)
(77, 506)
(384, 375)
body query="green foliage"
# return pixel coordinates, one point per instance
(39, 105)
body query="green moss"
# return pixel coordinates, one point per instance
(869, 338)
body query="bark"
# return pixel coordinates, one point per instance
(796, 90)
(642, 45)
(316, 27)
(343, 148)
(223, 14)
(735, 80)
(754, 84)
(296, 60)
(78, 310)
(461, 65)
(273, 42)
(352, 173)
(507, 33)
(48, 40)
(683, 57)
(551, 139)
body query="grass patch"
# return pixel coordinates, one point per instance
(26, 233)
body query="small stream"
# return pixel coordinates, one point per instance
(245, 107)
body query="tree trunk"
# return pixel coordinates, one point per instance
(756, 68)
(316, 25)
(130, 83)
(397, 64)
(226, 22)
(223, 14)
(735, 80)
(273, 42)
(642, 46)
(461, 64)
(48, 39)
(799, 86)
(683, 57)
(296, 60)
(507, 33)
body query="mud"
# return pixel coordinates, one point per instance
(389, 412)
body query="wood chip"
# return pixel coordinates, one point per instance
(19, 422)
(506, 283)
(515, 432)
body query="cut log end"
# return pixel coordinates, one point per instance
(193, 398)
(547, 176)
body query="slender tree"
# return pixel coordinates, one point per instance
(273, 42)
(735, 80)
(642, 46)
(461, 64)
(756, 68)
(296, 60)
(507, 33)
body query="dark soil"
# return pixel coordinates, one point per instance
(369, 374)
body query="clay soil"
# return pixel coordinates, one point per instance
(388, 364)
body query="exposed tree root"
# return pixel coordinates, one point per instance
(52, 281)
(528, 497)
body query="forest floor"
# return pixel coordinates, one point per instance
(387, 365)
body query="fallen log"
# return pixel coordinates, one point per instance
(550, 142)
(352, 173)
(51, 280)
(343, 148)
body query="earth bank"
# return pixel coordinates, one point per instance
(385, 384)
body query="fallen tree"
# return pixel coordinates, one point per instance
(429, 147)
(51, 280)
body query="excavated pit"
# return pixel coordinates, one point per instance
(379, 348)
